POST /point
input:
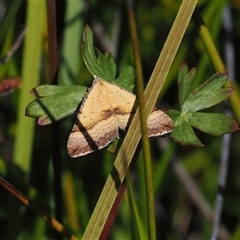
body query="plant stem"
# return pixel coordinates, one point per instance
(143, 124)
(56, 155)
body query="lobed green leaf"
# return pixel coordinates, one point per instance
(63, 102)
(47, 90)
(184, 134)
(102, 66)
(173, 114)
(213, 123)
(208, 94)
(126, 78)
(185, 79)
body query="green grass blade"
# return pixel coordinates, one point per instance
(214, 25)
(70, 54)
(30, 78)
(137, 222)
(161, 168)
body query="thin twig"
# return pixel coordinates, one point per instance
(196, 196)
(25, 200)
(109, 44)
(14, 47)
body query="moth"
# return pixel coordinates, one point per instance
(105, 109)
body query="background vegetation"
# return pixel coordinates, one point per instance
(185, 179)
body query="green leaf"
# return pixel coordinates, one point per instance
(213, 123)
(208, 94)
(173, 114)
(102, 66)
(184, 134)
(126, 78)
(56, 103)
(47, 90)
(185, 79)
